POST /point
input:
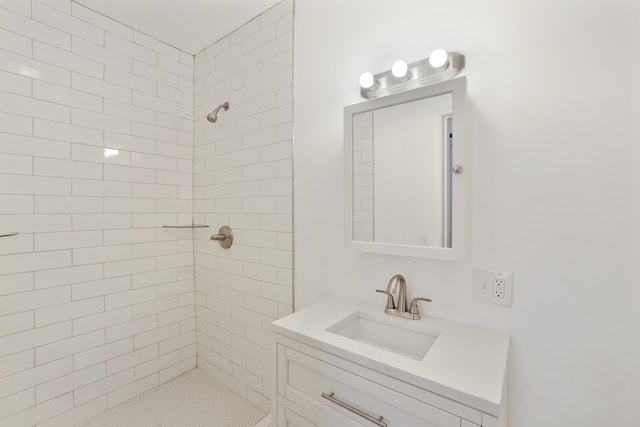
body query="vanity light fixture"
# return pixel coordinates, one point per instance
(400, 69)
(440, 66)
(366, 80)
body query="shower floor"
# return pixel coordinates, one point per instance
(193, 399)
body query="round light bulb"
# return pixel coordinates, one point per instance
(438, 58)
(366, 80)
(399, 69)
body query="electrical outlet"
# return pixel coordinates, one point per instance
(494, 287)
(498, 287)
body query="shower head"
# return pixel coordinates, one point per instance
(213, 116)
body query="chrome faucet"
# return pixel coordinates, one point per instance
(397, 299)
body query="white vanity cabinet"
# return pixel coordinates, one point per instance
(319, 381)
(305, 375)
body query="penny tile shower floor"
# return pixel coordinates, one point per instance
(193, 399)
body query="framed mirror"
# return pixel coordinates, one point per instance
(407, 173)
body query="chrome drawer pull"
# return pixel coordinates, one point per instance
(377, 421)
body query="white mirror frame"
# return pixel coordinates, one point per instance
(461, 182)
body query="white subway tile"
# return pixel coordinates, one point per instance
(66, 132)
(130, 328)
(151, 161)
(152, 220)
(100, 87)
(174, 150)
(100, 221)
(121, 268)
(154, 278)
(62, 58)
(152, 73)
(78, 413)
(100, 121)
(132, 143)
(101, 254)
(154, 307)
(128, 174)
(67, 204)
(129, 298)
(127, 392)
(175, 67)
(18, 402)
(23, 7)
(185, 126)
(117, 237)
(67, 240)
(143, 250)
(102, 320)
(41, 412)
(156, 45)
(102, 55)
(32, 29)
(175, 95)
(156, 335)
(184, 206)
(15, 43)
(11, 123)
(67, 23)
(18, 144)
(68, 311)
(67, 276)
(65, 96)
(20, 263)
(16, 362)
(35, 69)
(132, 359)
(69, 382)
(13, 323)
(34, 185)
(130, 49)
(103, 386)
(61, 5)
(154, 132)
(101, 188)
(128, 111)
(102, 353)
(155, 191)
(120, 204)
(100, 155)
(15, 283)
(156, 104)
(27, 340)
(128, 80)
(14, 83)
(67, 347)
(101, 21)
(66, 168)
(25, 106)
(13, 164)
(100, 287)
(145, 369)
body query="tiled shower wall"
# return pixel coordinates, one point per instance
(96, 155)
(243, 178)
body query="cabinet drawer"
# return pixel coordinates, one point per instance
(303, 380)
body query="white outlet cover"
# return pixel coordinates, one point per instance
(483, 287)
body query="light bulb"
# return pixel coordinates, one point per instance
(366, 80)
(399, 69)
(438, 58)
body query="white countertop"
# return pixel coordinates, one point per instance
(466, 363)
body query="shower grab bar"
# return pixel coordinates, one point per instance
(12, 233)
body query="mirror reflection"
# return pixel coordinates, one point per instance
(402, 166)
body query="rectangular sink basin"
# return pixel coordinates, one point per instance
(405, 339)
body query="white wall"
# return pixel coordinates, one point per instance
(96, 149)
(556, 188)
(243, 179)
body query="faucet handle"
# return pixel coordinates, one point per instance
(390, 304)
(413, 309)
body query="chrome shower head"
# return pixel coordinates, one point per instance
(213, 116)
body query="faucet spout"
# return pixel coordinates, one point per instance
(398, 286)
